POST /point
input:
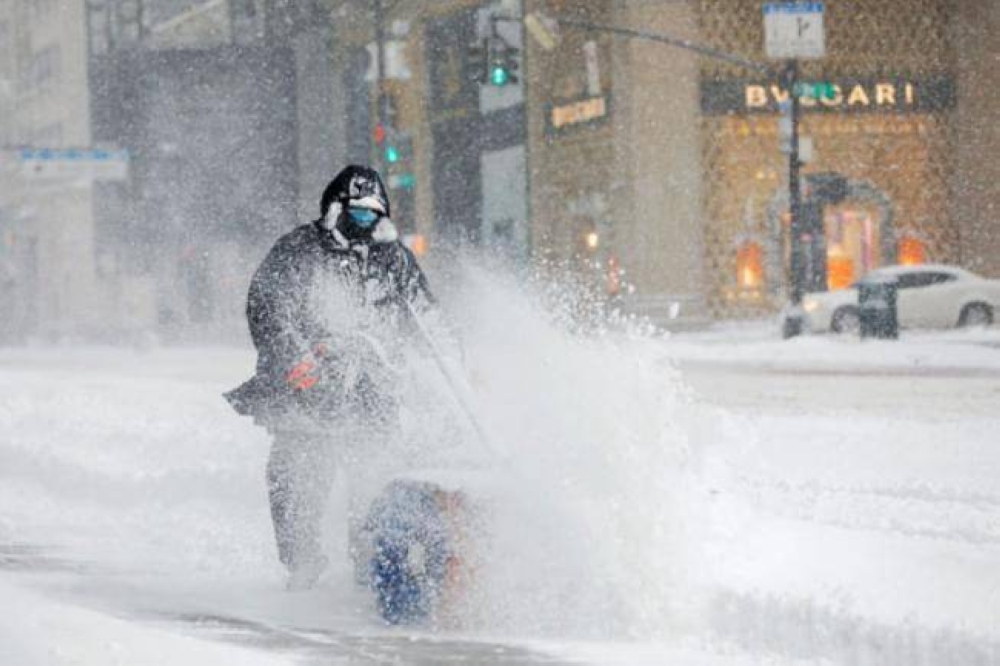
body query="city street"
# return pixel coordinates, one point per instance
(827, 515)
(368, 332)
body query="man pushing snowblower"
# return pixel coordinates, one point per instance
(330, 309)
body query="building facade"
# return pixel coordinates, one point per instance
(209, 99)
(654, 172)
(905, 114)
(48, 271)
(663, 167)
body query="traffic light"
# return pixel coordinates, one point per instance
(492, 62)
(391, 152)
(477, 63)
(511, 57)
(503, 63)
(397, 151)
(386, 138)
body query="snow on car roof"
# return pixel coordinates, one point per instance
(918, 268)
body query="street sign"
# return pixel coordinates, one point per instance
(794, 30)
(807, 151)
(544, 29)
(593, 68)
(74, 164)
(806, 148)
(395, 66)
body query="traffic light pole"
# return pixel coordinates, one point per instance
(687, 44)
(381, 112)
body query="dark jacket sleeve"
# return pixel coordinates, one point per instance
(274, 313)
(273, 305)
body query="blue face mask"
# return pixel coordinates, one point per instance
(363, 217)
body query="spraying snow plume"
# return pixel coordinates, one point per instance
(587, 534)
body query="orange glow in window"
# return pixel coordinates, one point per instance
(912, 251)
(839, 271)
(749, 265)
(840, 267)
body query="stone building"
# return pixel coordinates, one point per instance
(908, 110)
(653, 170)
(48, 271)
(208, 98)
(665, 166)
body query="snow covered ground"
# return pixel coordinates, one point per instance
(718, 498)
(856, 507)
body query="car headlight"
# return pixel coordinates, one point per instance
(810, 305)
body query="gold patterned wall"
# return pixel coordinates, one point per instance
(903, 153)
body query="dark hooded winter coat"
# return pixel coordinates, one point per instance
(316, 287)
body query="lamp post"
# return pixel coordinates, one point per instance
(793, 323)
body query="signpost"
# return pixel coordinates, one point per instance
(794, 30)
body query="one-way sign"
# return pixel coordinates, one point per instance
(794, 30)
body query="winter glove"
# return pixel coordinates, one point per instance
(305, 374)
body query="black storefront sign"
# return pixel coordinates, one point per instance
(872, 95)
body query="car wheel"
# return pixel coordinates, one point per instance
(846, 320)
(976, 314)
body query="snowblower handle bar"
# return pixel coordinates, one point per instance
(459, 388)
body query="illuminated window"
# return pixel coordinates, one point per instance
(749, 265)
(839, 267)
(912, 251)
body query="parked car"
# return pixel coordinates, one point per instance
(930, 296)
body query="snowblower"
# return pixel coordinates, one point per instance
(417, 546)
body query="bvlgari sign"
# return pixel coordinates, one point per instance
(894, 95)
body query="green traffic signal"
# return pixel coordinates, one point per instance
(391, 154)
(499, 76)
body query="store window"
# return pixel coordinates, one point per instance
(912, 250)
(852, 247)
(749, 265)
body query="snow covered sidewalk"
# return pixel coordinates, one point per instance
(842, 500)
(855, 512)
(36, 630)
(758, 346)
